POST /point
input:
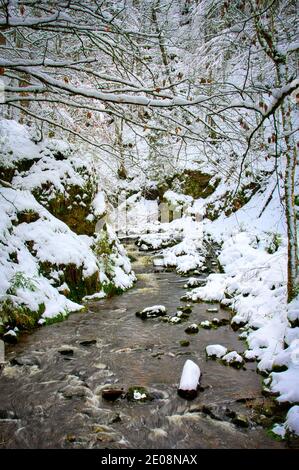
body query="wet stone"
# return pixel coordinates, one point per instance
(88, 342)
(185, 309)
(66, 351)
(236, 326)
(184, 343)
(10, 337)
(241, 421)
(152, 312)
(212, 411)
(25, 361)
(138, 394)
(112, 394)
(188, 394)
(183, 316)
(8, 414)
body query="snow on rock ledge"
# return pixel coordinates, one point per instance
(46, 268)
(152, 312)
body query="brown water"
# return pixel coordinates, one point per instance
(54, 400)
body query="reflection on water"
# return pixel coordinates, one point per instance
(52, 387)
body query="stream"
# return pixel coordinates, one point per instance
(50, 388)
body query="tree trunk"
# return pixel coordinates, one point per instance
(289, 184)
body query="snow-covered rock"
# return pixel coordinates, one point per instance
(216, 351)
(292, 421)
(152, 312)
(233, 359)
(189, 382)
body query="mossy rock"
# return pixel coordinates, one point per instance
(74, 205)
(192, 329)
(110, 289)
(79, 286)
(184, 343)
(185, 309)
(138, 394)
(240, 421)
(27, 216)
(20, 316)
(68, 209)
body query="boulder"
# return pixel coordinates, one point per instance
(152, 312)
(190, 378)
(112, 394)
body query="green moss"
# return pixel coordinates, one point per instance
(57, 319)
(184, 343)
(143, 391)
(197, 184)
(74, 204)
(110, 289)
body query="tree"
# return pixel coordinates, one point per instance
(219, 75)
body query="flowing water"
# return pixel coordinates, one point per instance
(50, 389)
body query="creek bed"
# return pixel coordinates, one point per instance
(50, 390)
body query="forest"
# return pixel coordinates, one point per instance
(149, 213)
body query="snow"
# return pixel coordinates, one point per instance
(94, 297)
(11, 333)
(256, 280)
(190, 376)
(292, 421)
(154, 309)
(187, 254)
(286, 383)
(59, 173)
(290, 426)
(138, 395)
(63, 245)
(99, 204)
(51, 242)
(15, 143)
(216, 350)
(177, 200)
(205, 323)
